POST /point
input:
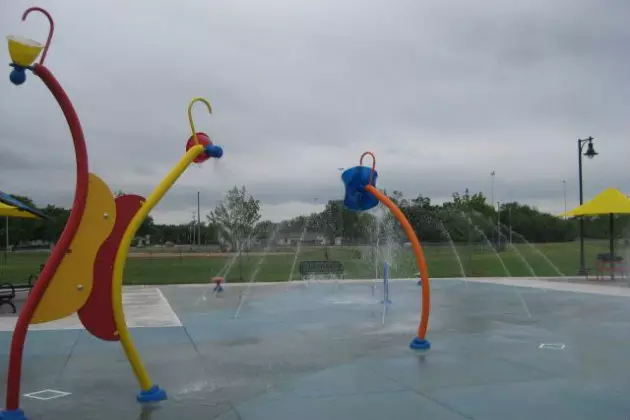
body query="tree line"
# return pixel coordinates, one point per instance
(236, 223)
(465, 218)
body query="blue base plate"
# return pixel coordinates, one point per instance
(153, 394)
(17, 414)
(419, 344)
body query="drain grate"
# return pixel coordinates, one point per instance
(552, 346)
(47, 394)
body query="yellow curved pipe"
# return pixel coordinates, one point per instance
(121, 258)
(190, 118)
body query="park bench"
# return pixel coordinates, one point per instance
(328, 267)
(7, 294)
(8, 291)
(612, 265)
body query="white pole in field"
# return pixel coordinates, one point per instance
(6, 237)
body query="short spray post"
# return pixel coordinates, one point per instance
(386, 300)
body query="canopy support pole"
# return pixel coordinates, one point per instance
(612, 245)
(6, 238)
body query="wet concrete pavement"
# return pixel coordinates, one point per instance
(327, 351)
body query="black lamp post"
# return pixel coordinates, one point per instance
(590, 153)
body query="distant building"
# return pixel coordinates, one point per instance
(245, 244)
(141, 241)
(34, 245)
(292, 238)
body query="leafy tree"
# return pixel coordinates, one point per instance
(465, 218)
(20, 229)
(264, 230)
(209, 233)
(398, 198)
(236, 217)
(50, 230)
(147, 227)
(332, 220)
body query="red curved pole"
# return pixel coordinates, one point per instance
(51, 30)
(62, 246)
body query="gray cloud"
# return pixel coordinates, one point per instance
(442, 92)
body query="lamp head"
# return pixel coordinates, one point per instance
(590, 151)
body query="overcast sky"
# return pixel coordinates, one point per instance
(443, 92)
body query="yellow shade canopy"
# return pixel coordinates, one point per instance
(10, 211)
(609, 201)
(23, 51)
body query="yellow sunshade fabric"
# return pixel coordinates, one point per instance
(10, 211)
(611, 200)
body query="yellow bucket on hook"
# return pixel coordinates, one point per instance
(23, 51)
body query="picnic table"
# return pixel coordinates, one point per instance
(327, 267)
(608, 264)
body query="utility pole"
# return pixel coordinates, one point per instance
(467, 194)
(198, 220)
(6, 238)
(193, 230)
(341, 212)
(492, 174)
(240, 253)
(510, 222)
(564, 195)
(498, 227)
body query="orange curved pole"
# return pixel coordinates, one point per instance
(417, 250)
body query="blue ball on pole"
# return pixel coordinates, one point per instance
(18, 75)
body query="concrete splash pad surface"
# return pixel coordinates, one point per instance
(326, 351)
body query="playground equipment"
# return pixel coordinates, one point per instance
(361, 195)
(83, 274)
(65, 284)
(199, 148)
(77, 276)
(218, 284)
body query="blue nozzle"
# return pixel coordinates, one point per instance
(18, 74)
(214, 151)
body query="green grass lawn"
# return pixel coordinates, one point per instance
(476, 260)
